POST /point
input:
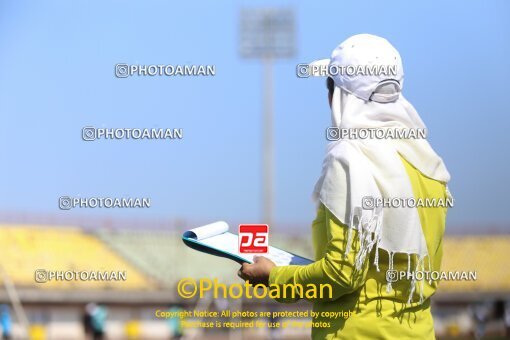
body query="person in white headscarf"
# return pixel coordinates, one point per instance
(382, 200)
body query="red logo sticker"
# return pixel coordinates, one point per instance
(253, 238)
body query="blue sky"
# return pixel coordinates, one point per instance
(56, 75)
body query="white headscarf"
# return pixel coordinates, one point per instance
(357, 168)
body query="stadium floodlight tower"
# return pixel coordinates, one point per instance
(267, 34)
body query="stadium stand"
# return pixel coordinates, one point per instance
(156, 259)
(163, 256)
(26, 249)
(480, 254)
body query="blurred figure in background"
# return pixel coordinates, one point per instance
(506, 317)
(94, 321)
(87, 323)
(481, 312)
(5, 321)
(175, 323)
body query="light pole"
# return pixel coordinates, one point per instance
(267, 34)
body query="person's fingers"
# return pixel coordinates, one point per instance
(243, 271)
(256, 259)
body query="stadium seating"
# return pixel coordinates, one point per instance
(158, 258)
(163, 256)
(480, 254)
(26, 249)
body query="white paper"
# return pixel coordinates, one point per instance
(207, 231)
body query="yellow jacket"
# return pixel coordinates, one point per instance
(371, 312)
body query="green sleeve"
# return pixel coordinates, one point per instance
(334, 268)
